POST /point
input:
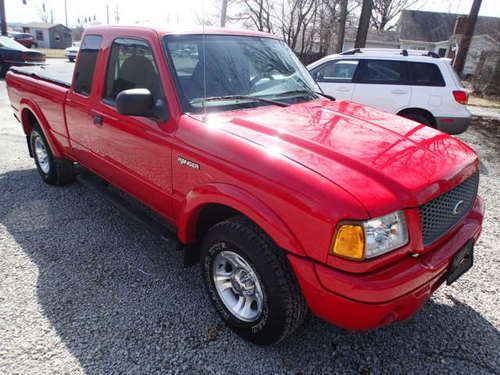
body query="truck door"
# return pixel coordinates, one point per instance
(382, 84)
(80, 101)
(134, 152)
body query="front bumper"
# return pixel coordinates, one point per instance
(366, 301)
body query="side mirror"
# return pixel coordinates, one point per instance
(140, 102)
(135, 102)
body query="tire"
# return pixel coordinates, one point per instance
(71, 59)
(3, 71)
(283, 307)
(53, 171)
(419, 117)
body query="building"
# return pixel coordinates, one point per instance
(49, 35)
(437, 32)
(374, 39)
(442, 32)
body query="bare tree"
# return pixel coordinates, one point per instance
(256, 14)
(385, 11)
(463, 49)
(364, 24)
(223, 13)
(296, 15)
(341, 29)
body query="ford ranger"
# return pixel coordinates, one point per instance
(291, 201)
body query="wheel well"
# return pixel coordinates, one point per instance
(419, 111)
(208, 216)
(28, 119)
(212, 214)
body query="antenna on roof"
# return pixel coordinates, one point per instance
(203, 48)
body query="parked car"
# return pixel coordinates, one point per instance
(25, 39)
(291, 201)
(72, 52)
(414, 84)
(15, 54)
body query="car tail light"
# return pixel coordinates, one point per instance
(461, 97)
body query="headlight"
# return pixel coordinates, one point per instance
(371, 238)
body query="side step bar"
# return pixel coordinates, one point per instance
(139, 213)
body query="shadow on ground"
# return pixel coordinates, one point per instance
(121, 302)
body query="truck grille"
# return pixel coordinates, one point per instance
(441, 214)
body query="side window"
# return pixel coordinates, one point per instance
(84, 70)
(381, 72)
(425, 74)
(335, 71)
(131, 65)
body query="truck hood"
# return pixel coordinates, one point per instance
(385, 161)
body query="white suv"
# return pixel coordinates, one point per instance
(415, 84)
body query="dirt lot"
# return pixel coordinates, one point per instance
(85, 290)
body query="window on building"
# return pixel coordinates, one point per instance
(442, 52)
(39, 35)
(131, 65)
(85, 67)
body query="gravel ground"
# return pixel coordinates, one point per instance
(85, 290)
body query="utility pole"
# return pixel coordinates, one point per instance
(66, 12)
(223, 13)
(342, 21)
(117, 14)
(107, 14)
(3, 19)
(364, 24)
(463, 48)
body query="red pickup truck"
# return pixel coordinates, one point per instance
(291, 201)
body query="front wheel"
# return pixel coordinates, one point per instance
(250, 282)
(53, 171)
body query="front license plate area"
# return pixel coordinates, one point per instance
(461, 262)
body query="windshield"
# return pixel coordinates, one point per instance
(11, 43)
(237, 69)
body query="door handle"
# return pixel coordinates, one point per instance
(399, 92)
(98, 120)
(343, 89)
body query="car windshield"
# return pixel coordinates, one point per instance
(11, 43)
(224, 72)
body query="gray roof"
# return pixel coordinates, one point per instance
(41, 25)
(389, 37)
(436, 27)
(426, 26)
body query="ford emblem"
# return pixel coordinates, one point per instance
(458, 207)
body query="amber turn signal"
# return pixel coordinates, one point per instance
(349, 242)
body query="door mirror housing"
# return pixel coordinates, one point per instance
(135, 102)
(140, 102)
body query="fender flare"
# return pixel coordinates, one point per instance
(34, 109)
(241, 201)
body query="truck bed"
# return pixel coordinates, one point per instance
(60, 74)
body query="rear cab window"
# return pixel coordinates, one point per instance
(341, 71)
(85, 67)
(387, 72)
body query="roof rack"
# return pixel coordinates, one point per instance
(391, 51)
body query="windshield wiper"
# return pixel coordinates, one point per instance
(242, 97)
(310, 92)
